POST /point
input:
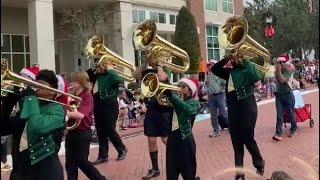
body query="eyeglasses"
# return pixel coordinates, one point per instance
(281, 62)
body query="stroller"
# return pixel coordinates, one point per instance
(302, 112)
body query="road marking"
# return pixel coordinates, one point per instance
(199, 117)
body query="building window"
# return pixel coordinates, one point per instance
(138, 16)
(158, 17)
(173, 19)
(228, 6)
(15, 48)
(212, 43)
(211, 5)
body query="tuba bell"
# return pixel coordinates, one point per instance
(145, 38)
(238, 40)
(151, 86)
(96, 48)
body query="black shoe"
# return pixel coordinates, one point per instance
(151, 174)
(197, 178)
(240, 177)
(260, 168)
(100, 161)
(122, 155)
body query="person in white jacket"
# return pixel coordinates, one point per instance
(123, 110)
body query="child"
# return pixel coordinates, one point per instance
(181, 147)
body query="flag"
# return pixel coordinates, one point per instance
(311, 6)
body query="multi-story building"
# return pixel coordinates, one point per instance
(31, 32)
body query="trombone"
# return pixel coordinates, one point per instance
(9, 78)
(96, 48)
(151, 86)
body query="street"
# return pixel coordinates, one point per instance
(215, 155)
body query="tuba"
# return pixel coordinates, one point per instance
(238, 40)
(96, 48)
(151, 86)
(145, 38)
(10, 79)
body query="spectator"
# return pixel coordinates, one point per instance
(123, 110)
(284, 96)
(216, 100)
(4, 165)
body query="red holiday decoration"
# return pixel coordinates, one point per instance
(269, 31)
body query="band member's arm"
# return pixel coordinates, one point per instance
(181, 106)
(84, 109)
(7, 104)
(138, 73)
(219, 70)
(51, 118)
(282, 77)
(164, 73)
(254, 73)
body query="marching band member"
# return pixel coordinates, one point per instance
(78, 140)
(44, 129)
(106, 110)
(181, 147)
(156, 122)
(16, 126)
(242, 77)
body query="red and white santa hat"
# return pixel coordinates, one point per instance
(32, 72)
(283, 57)
(192, 84)
(62, 86)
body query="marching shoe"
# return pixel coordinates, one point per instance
(100, 161)
(151, 174)
(122, 155)
(240, 177)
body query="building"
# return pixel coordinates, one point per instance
(31, 32)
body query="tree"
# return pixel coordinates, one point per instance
(187, 38)
(87, 22)
(296, 28)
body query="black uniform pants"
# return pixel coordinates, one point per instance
(242, 121)
(49, 168)
(77, 152)
(180, 157)
(105, 116)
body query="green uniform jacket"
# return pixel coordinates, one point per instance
(43, 119)
(244, 79)
(108, 84)
(185, 109)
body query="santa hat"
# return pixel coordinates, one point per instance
(32, 72)
(192, 84)
(283, 57)
(62, 84)
(212, 61)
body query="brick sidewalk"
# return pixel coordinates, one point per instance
(216, 155)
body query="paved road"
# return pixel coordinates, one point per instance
(215, 155)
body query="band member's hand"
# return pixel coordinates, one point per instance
(167, 93)
(28, 92)
(278, 67)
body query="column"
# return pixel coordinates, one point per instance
(41, 33)
(123, 30)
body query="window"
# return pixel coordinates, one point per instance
(227, 6)
(15, 48)
(212, 43)
(173, 19)
(138, 16)
(162, 18)
(158, 17)
(211, 5)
